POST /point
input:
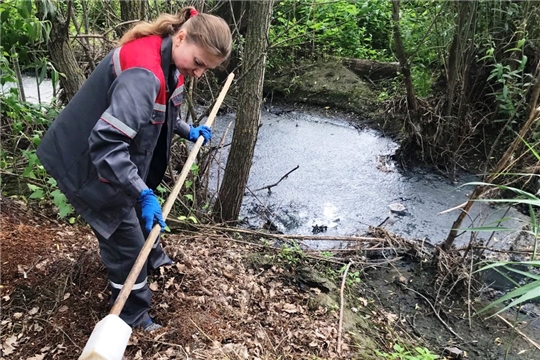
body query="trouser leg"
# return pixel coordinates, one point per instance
(118, 254)
(157, 256)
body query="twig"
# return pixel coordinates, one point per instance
(279, 249)
(283, 177)
(167, 343)
(59, 328)
(202, 332)
(523, 252)
(341, 307)
(460, 206)
(533, 343)
(436, 313)
(24, 178)
(384, 221)
(469, 292)
(119, 25)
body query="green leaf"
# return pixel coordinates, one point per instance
(37, 192)
(525, 293)
(486, 228)
(64, 210)
(51, 181)
(33, 187)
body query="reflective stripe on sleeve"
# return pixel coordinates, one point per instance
(137, 286)
(178, 91)
(129, 132)
(160, 107)
(116, 62)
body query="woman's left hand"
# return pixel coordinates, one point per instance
(195, 132)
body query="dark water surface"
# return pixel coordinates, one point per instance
(346, 181)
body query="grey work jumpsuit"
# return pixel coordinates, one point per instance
(111, 142)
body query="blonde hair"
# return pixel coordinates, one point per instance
(207, 31)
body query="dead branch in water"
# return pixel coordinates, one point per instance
(269, 187)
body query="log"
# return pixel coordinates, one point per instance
(373, 70)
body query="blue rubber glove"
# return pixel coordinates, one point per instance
(195, 132)
(151, 210)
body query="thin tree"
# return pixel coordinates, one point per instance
(59, 46)
(402, 58)
(250, 84)
(504, 162)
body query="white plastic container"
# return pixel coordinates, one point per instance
(108, 340)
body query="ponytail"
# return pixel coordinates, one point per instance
(165, 25)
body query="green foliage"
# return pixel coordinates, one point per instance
(530, 290)
(511, 80)
(522, 293)
(191, 218)
(21, 30)
(357, 29)
(291, 254)
(353, 277)
(50, 192)
(400, 353)
(26, 124)
(422, 40)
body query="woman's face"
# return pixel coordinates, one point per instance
(191, 59)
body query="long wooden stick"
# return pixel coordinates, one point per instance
(147, 247)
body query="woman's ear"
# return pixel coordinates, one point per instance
(180, 35)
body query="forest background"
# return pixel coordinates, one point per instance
(465, 94)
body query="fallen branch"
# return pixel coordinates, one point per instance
(23, 178)
(280, 249)
(502, 251)
(341, 306)
(283, 177)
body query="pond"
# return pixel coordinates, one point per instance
(345, 180)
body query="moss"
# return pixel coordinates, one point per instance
(326, 84)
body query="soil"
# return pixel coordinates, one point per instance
(232, 296)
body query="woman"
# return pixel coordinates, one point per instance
(109, 148)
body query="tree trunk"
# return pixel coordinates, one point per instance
(458, 55)
(400, 53)
(130, 10)
(231, 192)
(61, 53)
